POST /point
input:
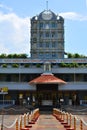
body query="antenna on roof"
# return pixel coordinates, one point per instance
(47, 5)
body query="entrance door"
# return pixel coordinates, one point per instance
(47, 94)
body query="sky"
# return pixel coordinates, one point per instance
(15, 25)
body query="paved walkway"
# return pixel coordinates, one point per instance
(44, 122)
(47, 122)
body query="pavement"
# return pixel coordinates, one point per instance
(47, 121)
(44, 122)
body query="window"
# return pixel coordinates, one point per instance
(41, 34)
(85, 77)
(47, 44)
(34, 55)
(47, 26)
(41, 25)
(53, 34)
(47, 55)
(53, 54)
(41, 54)
(47, 34)
(34, 39)
(53, 44)
(60, 46)
(41, 44)
(34, 25)
(60, 35)
(53, 25)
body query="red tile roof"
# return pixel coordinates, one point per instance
(46, 79)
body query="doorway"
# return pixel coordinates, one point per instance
(47, 95)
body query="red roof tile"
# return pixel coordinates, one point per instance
(46, 79)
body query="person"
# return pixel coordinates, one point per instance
(28, 100)
(74, 99)
(77, 100)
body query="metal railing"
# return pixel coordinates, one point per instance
(83, 102)
(7, 102)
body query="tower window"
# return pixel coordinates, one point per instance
(47, 55)
(47, 26)
(41, 25)
(47, 34)
(53, 44)
(41, 34)
(53, 34)
(53, 25)
(34, 39)
(41, 54)
(53, 54)
(47, 44)
(41, 44)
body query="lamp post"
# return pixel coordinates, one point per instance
(2, 109)
(74, 74)
(4, 91)
(19, 74)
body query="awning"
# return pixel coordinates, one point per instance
(47, 78)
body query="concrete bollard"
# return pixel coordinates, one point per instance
(24, 120)
(17, 125)
(74, 123)
(81, 125)
(20, 124)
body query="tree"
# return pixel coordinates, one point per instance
(3, 56)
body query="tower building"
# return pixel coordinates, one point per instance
(47, 36)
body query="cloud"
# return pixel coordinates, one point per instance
(14, 33)
(86, 3)
(3, 49)
(73, 16)
(4, 7)
(15, 30)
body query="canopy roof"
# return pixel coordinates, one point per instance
(47, 78)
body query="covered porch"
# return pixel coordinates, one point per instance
(47, 90)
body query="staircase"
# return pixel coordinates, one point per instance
(46, 109)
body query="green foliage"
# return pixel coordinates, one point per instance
(26, 65)
(69, 55)
(75, 64)
(14, 56)
(4, 65)
(63, 64)
(72, 65)
(69, 65)
(15, 65)
(76, 55)
(38, 65)
(3, 56)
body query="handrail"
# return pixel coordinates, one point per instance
(7, 102)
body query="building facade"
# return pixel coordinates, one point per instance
(47, 56)
(47, 36)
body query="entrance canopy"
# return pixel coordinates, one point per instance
(47, 78)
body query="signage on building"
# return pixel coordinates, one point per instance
(47, 102)
(66, 60)
(20, 96)
(4, 90)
